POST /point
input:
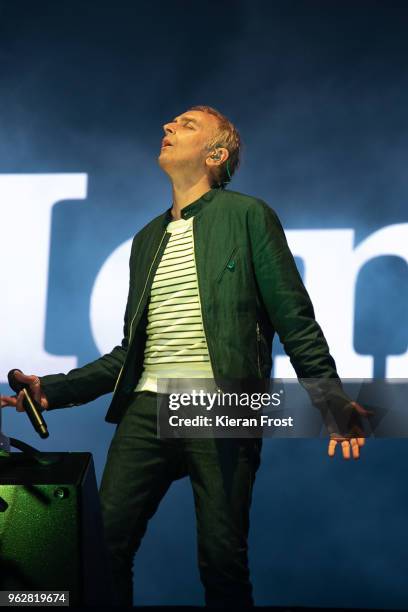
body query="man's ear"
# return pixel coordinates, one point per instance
(217, 156)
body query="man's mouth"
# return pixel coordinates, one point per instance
(166, 143)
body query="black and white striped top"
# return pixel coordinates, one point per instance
(176, 346)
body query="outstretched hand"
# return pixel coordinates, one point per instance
(350, 445)
(17, 400)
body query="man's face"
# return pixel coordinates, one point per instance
(184, 146)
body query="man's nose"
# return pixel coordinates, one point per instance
(169, 128)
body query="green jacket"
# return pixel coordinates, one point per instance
(249, 288)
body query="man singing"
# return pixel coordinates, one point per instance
(211, 281)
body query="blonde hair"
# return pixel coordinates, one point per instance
(227, 136)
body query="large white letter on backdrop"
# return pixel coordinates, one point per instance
(332, 265)
(26, 202)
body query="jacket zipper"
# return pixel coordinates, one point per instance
(225, 265)
(258, 338)
(137, 309)
(199, 299)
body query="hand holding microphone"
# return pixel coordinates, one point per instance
(30, 399)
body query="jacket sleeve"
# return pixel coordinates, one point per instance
(285, 297)
(291, 313)
(84, 384)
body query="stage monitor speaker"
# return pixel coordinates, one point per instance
(51, 531)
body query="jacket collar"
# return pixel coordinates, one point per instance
(193, 208)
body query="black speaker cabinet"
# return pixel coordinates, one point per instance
(51, 531)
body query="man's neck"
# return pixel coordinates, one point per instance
(185, 195)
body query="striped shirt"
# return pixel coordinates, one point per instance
(175, 346)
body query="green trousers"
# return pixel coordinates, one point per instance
(140, 468)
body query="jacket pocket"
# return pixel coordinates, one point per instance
(229, 264)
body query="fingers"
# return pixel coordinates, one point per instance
(345, 447)
(355, 449)
(32, 381)
(8, 400)
(352, 445)
(332, 447)
(23, 378)
(20, 399)
(35, 387)
(17, 400)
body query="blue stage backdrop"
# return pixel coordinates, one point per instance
(319, 91)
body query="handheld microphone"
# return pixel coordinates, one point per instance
(31, 406)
